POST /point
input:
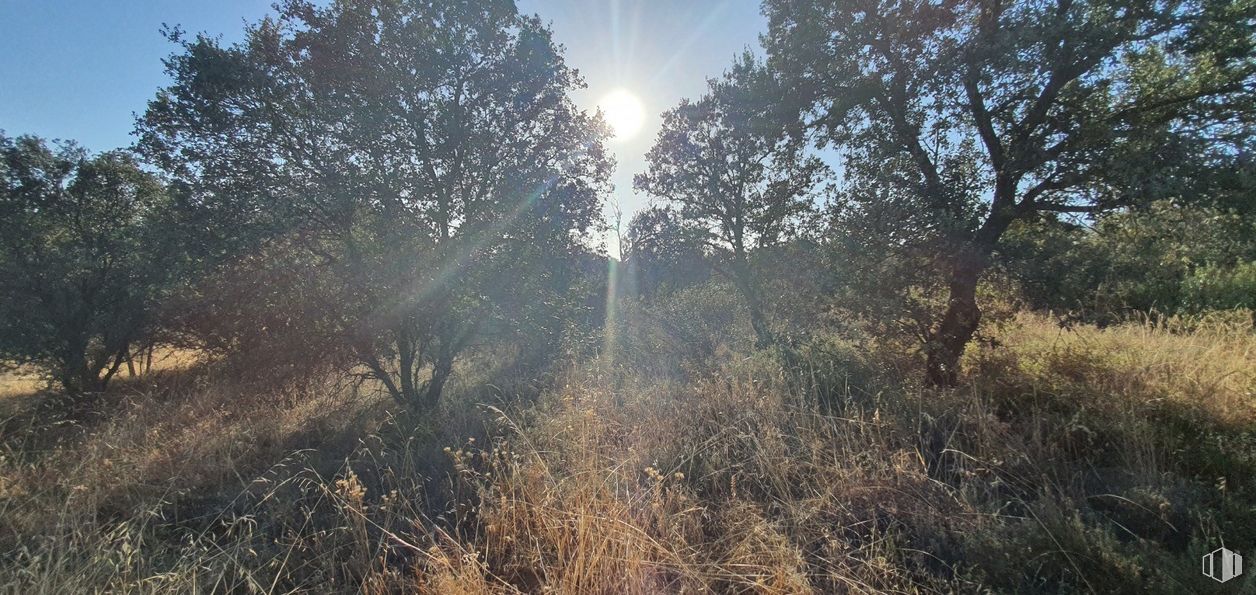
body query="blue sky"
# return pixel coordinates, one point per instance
(80, 69)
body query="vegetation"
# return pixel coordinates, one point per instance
(974, 115)
(735, 176)
(425, 156)
(949, 297)
(85, 258)
(1075, 460)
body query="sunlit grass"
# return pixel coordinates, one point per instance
(1108, 456)
(18, 383)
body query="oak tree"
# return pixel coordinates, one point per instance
(991, 111)
(729, 165)
(427, 152)
(88, 248)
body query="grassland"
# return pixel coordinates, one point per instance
(1072, 459)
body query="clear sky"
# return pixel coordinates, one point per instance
(81, 69)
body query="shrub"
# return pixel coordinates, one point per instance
(1220, 288)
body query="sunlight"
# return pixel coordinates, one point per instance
(624, 112)
(606, 296)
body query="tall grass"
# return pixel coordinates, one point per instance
(1073, 459)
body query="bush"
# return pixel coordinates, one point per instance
(1220, 288)
(1165, 259)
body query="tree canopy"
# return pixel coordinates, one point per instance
(87, 252)
(985, 112)
(428, 153)
(734, 174)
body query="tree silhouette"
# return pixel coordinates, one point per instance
(88, 248)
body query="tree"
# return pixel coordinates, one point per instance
(662, 253)
(735, 173)
(87, 249)
(1060, 105)
(426, 152)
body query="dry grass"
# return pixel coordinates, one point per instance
(18, 383)
(22, 387)
(1084, 459)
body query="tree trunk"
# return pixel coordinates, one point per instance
(959, 323)
(381, 374)
(758, 320)
(87, 377)
(406, 370)
(103, 381)
(400, 384)
(946, 345)
(441, 369)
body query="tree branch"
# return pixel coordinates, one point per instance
(1053, 208)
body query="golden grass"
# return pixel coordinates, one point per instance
(17, 383)
(662, 489)
(1108, 458)
(19, 387)
(1210, 363)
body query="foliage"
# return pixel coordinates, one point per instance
(270, 312)
(734, 175)
(89, 247)
(1157, 259)
(379, 202)
(1219, 288)
(1033, 107)
(662, 254)
(425, 153)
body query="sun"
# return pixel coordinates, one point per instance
(624, 112)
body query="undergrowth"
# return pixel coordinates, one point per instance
(1072, 459)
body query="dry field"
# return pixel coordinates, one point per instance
(1081, 459)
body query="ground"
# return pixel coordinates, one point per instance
(1071, 459)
